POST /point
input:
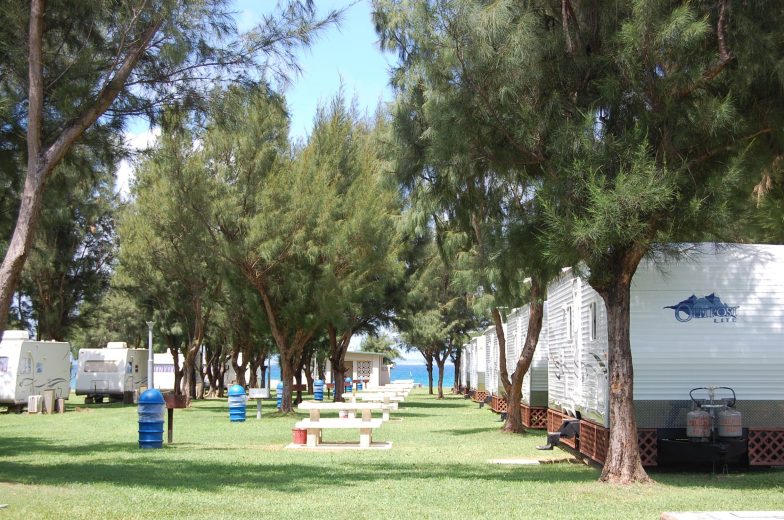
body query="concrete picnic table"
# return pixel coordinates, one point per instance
(315, 423)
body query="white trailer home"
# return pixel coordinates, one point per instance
(476, 363)
(711, 318)
(29, 367)
(492, 361)
(110, 372)
(534, 391)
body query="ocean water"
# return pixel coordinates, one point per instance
(419, 374)
(416, 372)
(401, 371)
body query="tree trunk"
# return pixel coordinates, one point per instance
(189, 371)
(221, 379)
(440, 363)
(175, 352)
(458, 360)
(337, 358)
(514, 420)
(239, 368)
(255, 363)
(429, 365)
(309, 376)
(623, 464)
(40, 163)
(286, 375)
(499, 332)
(213, 370)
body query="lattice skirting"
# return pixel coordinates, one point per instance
(766, 447)
(594, 440)
(554, 420)
(647, 441)
(498, 404)
(479, 396)
(534, 417)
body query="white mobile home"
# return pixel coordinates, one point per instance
(29, 367)
(711, 318)
(477, 363)
(492, 363)
(535, 380)
(110, 372)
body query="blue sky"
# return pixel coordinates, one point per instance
(346, 55)
(349, 54)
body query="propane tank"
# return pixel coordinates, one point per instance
(698, 425)
(730, 423)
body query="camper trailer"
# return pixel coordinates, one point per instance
(706, 337)
(110, 372)
(29, 367)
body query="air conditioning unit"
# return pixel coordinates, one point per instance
(35, 404)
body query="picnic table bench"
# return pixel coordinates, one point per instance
(315, 423)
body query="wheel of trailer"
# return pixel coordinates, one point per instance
(89, 400)
(99, 400)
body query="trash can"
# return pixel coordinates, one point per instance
(318, 390)
(237, 400)
(359, 386)
(347, 385)
(151, 408)
(299, 436)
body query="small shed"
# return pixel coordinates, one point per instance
(363, 365)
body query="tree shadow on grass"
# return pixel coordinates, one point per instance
(471, 431)
(431, 404)
(157, 469)
(154, 470)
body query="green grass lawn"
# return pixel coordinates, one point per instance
(86, 464)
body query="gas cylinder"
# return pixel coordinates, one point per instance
(698, 425)
(730, 423)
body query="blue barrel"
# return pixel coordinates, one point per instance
(347, 384)
(279, 392)
(318, 390)
(237, 400)
(151, 410)
(359, 386)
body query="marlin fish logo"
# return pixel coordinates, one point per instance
(709, 306)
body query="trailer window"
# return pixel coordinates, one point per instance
(568, 320)
(164, 368)
(3, 365)
(100, 365)
(592, 318)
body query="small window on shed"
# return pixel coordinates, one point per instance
(592, 320)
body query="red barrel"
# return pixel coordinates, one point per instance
(299, 436)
